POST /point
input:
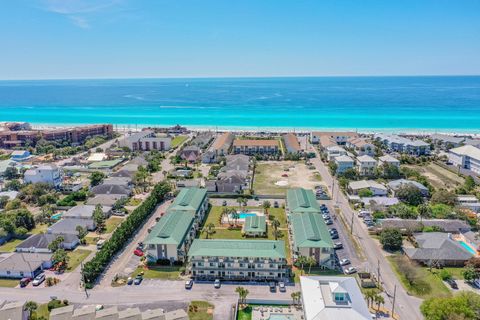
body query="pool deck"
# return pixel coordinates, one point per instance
(277, 313)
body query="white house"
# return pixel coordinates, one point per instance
(20, 264)
(377, 189)
(361, 146)
(396, 184)
(466, 157)
(366, 165)
(335, 151)
(388, 159)
(343, 163)
(48, 173)
(469, 201)
(147, 140)
(333, 298)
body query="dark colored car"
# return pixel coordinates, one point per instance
(24, 282)
(275, 204)
(189, 284)
(452, 283)
(273, 287)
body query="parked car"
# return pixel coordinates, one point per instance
(285, 175)
(38, 279)
(224, 203)
(129, 281)
(344, 262)
(273, 286)
(350, 270)
(333, 230)
(138, 279)
(452, 283)
(329, 222)
(476, 282)
(337, 245)
(217, 284)
(24, 282)
(157, 219)
(281, 286)
(275, 204)
(138, 252)
(334, 236)
(189, 284)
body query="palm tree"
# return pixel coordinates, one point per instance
(379, 300)
(277, 234)
(242, 294)
(235, 215)
(302, 260)
(369, 294)
(266, 205)
(275, 224)
(296, 296)
(424, 211)
(244, 202)
(240, 201)
(30, 306)
(310, 262)
(209, 229)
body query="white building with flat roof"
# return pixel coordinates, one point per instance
(344, 163)
(333, 298)
(366, 165)
(466, 157)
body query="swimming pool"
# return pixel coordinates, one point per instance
(279, 316)
(469, 248)
(243, 215)
(57, 216)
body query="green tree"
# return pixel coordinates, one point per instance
(11, 173)
(242, 294)
(391, 239)
(296, 297)
(13, 185)
(409, 194)
(99, 218)
(301, 261)
(402, 211)
(350, 174)
(30, 307)
(141, 178)
(365, 193)
(235, 216)
(81, 233)
(443, 196)
(464, 305)
(470, 274)
(209, 229)
(96, 178)
(379, 300)
(266, 205)
(60, 259)
(333, 167)
(310, 262)
(424, 211)
(56, 244)
(275, 224)
(3, 201)
(369, 296)
(469, 184)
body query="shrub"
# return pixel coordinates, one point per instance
(163, 262)
(445, 274)
(391, 239)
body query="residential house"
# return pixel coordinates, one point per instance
(310, 238)
(409, 225)
(377, 189)
(111, 189)
(47, 173)
(234, 177)
(388, 159)
(403, 145)
(472, 142)
(335, 151)
(84, 313)
(38, 243)
(62, 313)
(147, 140)
(361, 146)
(343, 163)
(291, 143)
(68, 226)
(4, 164)
(469, 202)
(19, 265)
(396, 184)
(465, 157)
(439, 248)
(107, 200)
(366, 165)
(256, 146)
(85, 212)
(112, 313)
(20, 155)
(340, 138)
(255, 226)
(219, 148)
(333, 298)
(190, 154)
(173, 234)
(446, 142)
(14, 311)
(202, 139)
(226, 259)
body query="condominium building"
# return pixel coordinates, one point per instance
(466, 157)
(403, 145)
(332, 137)
(147, 140)
(222, 144)
(366, 165)
(251, 260)
(361, 146)
(252, 146)
(173, 234)
(301, 200)
(291, 143)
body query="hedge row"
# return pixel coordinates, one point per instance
(92, 269)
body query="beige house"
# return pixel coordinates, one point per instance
(366, 165)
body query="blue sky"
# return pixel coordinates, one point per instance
(44, 39)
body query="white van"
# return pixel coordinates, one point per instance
(100, 243)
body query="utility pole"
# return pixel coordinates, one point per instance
(83, 279)
(351, 224)
(393, 303)
(378, 271)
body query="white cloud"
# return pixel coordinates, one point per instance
(80, 22)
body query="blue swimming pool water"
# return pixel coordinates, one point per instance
(466, 246)
(243, 215)
(281, 317)
(57, 216)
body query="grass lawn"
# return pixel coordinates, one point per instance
(200, 310)
(9, 246)
(178, 140)
(245, 313)
(159, 272)
(427, 284)
(42, 311)
(457, 273)
(91, 239)
(439, 177)
(39, 228)
(76, 257)
(9, 283)
(112, 223)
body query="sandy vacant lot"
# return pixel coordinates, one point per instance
(438, 176)
(269, 181)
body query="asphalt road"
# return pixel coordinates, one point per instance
(407, 307)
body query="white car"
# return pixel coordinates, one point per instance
(217, 284)
(344, 262)
(38, 279)
(350, 270)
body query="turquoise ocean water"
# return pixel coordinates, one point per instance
(363, 103)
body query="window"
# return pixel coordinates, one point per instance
(339, 297)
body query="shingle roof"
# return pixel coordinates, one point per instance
(253, 142)
(255, 224)
(310, 231)
(447, 225)
(394, 185)
(84, 211)
(365, 184)
(388, 158)
(67, 226)
(302, 200)
(105, 199)
(110, 189)
(189, 199)
(22, 261)
(291, 142)
(237, 248)
(171, 229)
(437, 245)
(366, 158)
(343, 159)
(42, 240)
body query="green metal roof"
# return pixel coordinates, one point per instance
(302, 200)
(310, 231)
(255, 224)
(237, 248)
(171, 229)
(189, 199)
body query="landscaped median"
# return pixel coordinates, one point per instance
(122, 234)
